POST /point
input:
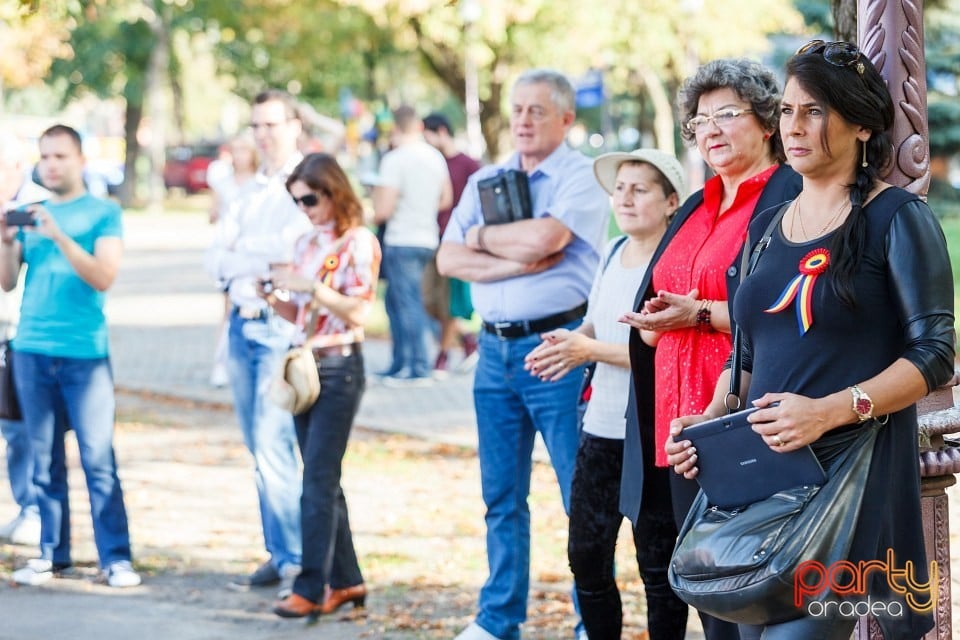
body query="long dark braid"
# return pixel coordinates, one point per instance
(849, 241)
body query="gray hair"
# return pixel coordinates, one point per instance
(751, 81)
(561, 91)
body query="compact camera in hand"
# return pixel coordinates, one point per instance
(20, 218)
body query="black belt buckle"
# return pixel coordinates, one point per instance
(501, 329)
(521, 328)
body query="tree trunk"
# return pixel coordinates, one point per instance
(179, 118)
(663, 111)
(155, 104)
(491, 121)
(133, 116)
(845, 19)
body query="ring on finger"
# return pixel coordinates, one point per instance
(777, 441)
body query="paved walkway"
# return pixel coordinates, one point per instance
(164, 313)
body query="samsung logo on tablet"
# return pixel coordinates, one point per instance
(744, 463)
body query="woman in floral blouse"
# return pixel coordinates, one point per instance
(327, 291)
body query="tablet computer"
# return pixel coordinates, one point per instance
(737, 468)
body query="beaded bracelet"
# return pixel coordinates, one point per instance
(703, 317)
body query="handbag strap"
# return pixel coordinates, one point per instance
(748, 262)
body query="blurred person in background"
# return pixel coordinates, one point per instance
(447, 300)
(16, 190)
(268, 225)
(72, 252)
(231, 172)
(730, 109)
(413, 185)
(228, 176)
(332, 283)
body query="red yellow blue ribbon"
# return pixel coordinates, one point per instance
(330, 264)
(801, 288)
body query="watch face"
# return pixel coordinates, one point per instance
(864, 406)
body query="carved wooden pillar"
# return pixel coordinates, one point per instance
(890, 33)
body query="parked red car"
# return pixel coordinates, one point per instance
(186, 166)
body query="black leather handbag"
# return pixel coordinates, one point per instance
(505, 197)
(740, 564)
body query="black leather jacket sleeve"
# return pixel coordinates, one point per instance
(922, 287)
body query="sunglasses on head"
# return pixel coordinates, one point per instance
(839, 54)
(308, 200)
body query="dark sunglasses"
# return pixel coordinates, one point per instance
(309, 200)
(839, 54)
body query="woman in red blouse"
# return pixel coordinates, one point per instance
(328, 291)
(730, 110)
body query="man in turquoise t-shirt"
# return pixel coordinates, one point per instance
(72, 251)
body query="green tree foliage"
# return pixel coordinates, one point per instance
(31, 37)
(311, 49)
(942, 44)
(817, 14)
(110, 47)
(645, 46)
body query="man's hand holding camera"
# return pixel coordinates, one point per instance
(31, 218)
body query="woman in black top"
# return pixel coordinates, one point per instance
(847, 318)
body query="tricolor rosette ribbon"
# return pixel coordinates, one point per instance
(801, 288)
(330, 265)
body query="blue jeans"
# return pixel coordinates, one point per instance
(20, 465)
(409, 322)
(256, 348)
(512, 406)
(81, 391)
(329, 557)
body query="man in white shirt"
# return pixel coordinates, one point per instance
(413, 185)
(17, 189)
(268, 224)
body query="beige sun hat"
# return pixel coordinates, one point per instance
(605, 167)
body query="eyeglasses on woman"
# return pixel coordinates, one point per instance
(721, 118)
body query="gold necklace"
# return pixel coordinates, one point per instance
(823, 229)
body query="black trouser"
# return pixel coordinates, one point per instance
(594, 523)
(683, 493)
(322, 433)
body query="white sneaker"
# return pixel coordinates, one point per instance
(288, 574)
(27, 531)
(219, 377)
(120, 575)
(37, 572)
(475, 632)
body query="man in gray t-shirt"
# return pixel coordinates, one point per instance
(413, 185)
